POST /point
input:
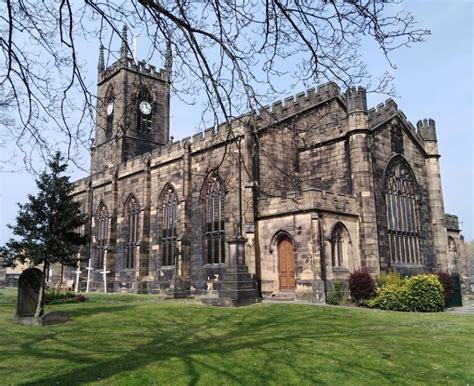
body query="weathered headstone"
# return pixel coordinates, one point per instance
(29, 285)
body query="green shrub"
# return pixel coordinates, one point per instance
(58, 296)
(390, 297)
(361, 286)
(336, 296)
(424, 293)
(389, 279)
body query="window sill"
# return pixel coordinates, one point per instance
(340, 269)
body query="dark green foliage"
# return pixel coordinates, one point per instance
(58, 296)
(361, 285)
(336, 296)
(47, 225)
(447, 282)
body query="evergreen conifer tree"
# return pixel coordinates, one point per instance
(48, 225)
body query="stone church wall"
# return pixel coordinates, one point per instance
(414, 154)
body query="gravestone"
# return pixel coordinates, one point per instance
(29, 285)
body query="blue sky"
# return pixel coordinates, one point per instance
(434, 79)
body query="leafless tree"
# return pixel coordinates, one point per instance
(234, 53)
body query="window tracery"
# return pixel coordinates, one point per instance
(132, 232)
(402, 213)
(102, 218)
(170, 202)
(215, 236)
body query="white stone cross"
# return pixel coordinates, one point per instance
(104, 273)
(89, 270)
(78, 274)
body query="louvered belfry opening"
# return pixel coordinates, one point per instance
(144, 120)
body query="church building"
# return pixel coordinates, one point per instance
(301, 193)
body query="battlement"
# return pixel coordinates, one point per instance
(356, 99)
(140, 67)
(427, 129)
(452, 222)
(292, 105)
(386, 111)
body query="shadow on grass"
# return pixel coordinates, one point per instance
(255, 345)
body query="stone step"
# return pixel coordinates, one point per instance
(239, 294)
(237, 285)
(236, 268)
(281, 296)
(236, 276)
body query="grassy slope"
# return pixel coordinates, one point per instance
(126, 339)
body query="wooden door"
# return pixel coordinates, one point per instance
(286, 263)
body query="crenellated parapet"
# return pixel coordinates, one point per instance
(452, 222)
(299, 103)
(139, 67)
(356, 99)
(427, 129)
(385, 112)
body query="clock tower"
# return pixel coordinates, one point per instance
(132, 108)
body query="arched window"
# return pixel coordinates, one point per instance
(132, 210)
(170, 203)
(452, 255)
(339, 245)
(102, 223)
(144, 111)
(215, 238)
(402, 212)
(109, 109)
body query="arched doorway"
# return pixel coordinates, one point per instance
(286, 264)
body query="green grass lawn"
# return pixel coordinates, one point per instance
(139, 339)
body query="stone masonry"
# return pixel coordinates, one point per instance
(314, 174)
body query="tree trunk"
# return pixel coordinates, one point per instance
(39, 307)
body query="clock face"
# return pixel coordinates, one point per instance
(145, 107)
(110, 108)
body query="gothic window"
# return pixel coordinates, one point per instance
(402, 212)
(339, 242)
(144, 111)
(215, 238)
(170, 202)
(102, 222)
(452, 254)
(109, 109)
(132, 211)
